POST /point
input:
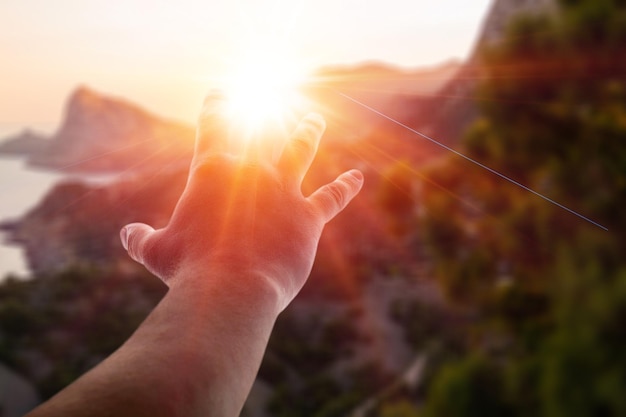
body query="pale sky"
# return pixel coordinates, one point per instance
(163, 54)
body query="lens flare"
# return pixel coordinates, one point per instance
(262, 87)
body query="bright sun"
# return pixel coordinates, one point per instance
(262, 86)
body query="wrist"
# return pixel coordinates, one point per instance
(236, 288)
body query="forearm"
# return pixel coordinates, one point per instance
(245, 237)
(197, 354)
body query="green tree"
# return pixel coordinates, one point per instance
(546, 286)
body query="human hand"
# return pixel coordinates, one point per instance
(243, 213)
(238, 248)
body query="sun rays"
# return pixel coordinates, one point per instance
(262, 86)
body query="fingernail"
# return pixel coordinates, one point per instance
(124, 237)
(213, 100)
(214, 94)
(316, 118)
(358, 175)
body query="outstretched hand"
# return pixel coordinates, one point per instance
(242, 211)
(238, 248)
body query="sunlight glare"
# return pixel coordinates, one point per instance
(262, 87)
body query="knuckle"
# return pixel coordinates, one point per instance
(150, 251)
(161, 256)
(302, 145)
(211, 164)
(133, 247)
(315, 123)
(336, 195)
(212, 113)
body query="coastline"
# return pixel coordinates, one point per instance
(22, 187)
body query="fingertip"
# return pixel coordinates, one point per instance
(214, 95)
(213, 103)
(353, 180)
(134, 237)
(316, 119)
(124, 237)
(334, 197)
(357, 175)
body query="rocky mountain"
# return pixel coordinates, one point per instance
(104, 134)
(26, 143)
(82, 221)
(447, 113)
(384, 88)
(500, 14)
(384, 79)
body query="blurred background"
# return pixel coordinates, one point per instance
(443, 290)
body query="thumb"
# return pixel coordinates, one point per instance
(134, 237)
(334, 197)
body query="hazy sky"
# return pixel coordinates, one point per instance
(163, 54)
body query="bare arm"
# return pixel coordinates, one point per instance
(238, 248)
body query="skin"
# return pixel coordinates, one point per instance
(239, 247)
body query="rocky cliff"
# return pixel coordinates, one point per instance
(500, 14)
(447, 113)
(25, 143)
(105, 134)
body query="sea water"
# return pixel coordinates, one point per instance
(21, 188)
